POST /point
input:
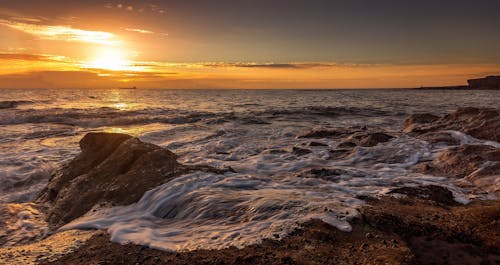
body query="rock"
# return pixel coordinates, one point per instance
(369, 139)
(325, 133)
(435, 232)
(300, 151)
(481, 123)
(489, 82)
(440, 137)
(432, 193)
(476, 163)
(346, 144)
(314, 242)
(317, 144)
(416, 119)
(341, 153)
(111, 168)
(329, 174)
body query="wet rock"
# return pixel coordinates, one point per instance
(300, 151)
(326, 133)
(439, 137)
(433, 193)
(481, 123)
(346, 144)
(457, 234)
(341, 153)
(329, 174)
(479, 164)
(314, 243)
(369, 139)
(111, 168)
(416, 119)
(317, 144)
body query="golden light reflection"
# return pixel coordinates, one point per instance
(121, 106)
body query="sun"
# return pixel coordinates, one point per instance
(113, 59)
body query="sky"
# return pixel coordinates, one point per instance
(247, 44)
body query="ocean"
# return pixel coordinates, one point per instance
(252, 131)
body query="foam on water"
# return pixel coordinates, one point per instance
(271, 193)
(254, 132)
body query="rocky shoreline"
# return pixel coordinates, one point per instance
(409, 225)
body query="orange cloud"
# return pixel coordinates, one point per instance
(33, 70)
(63, 33)
(142, 31)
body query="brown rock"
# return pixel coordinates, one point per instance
(437, 234)
(432, 193)
(369, 139)
(300, 151)
(112, 168)
(346, 144)
(481, 123)
(476, 163)
(317, 144)
(325, 133)
(416, 119)
(315, 243)
(439, 137)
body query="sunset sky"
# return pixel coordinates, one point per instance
(247, 44)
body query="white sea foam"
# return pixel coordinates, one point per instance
(251, 131)
(271, 193)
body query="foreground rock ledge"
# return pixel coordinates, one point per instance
(112, 168)
(424, 227)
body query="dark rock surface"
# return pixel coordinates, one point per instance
(418, 119)
(489, 82)
(481, 123)
(440, 233)
(326, 133)
(416, 229)
(369, 139)
(431, 193)
(300, 151)
(317, 144)
(315, 243)
(480, 164)
(112, 168)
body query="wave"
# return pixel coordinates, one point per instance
(92, 118)
(105, 116)
(9, 104)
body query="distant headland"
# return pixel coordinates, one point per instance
(486, 83)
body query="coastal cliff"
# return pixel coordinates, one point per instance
(489, 82)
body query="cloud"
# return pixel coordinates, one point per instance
(62, 33)
(142, 31)
(271, 65)
(30, 57)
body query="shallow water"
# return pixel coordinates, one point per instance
(252, 131)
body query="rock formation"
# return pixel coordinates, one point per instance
(481, 123)
(479, 164)
(489, 82)
(112, 168)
